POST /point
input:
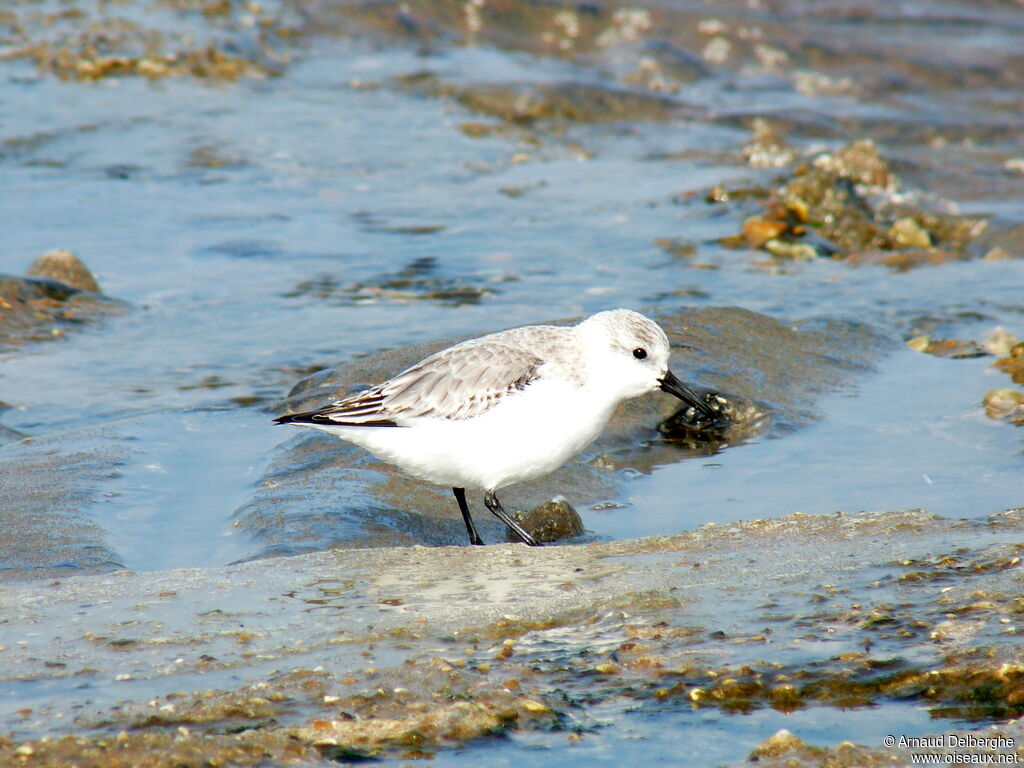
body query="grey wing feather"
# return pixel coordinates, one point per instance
(457, 383)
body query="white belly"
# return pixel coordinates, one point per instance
(528, 434)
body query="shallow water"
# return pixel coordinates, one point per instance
(325, 187)
(912, 436)
(261, 230)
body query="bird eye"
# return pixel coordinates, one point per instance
(640, 353)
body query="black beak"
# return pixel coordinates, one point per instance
(669, 383)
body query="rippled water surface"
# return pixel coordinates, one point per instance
(369, 195)
(336, 221)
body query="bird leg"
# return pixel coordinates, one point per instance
(460, 496)
(492, 503)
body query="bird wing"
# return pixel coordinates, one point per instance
(457, 383)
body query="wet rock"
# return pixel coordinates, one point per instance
(757, 231)
(845, 205)
(785, 249)
(1000, 342)
(65, 267)
(846, 217)
(730, 193)
(999, 254)
(42, 305)
(777, 744)
(858, 162)
(451, 724)
(949, 348)
(1005, 404)
(551, 521)
(767, 148)
(1013, 362)
(527, 103)
(907, 233)
(209, 62)
(738, 419)
(90, 43)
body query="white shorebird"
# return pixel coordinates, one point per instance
(506, 407)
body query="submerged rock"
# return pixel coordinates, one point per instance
(551, 521)
(951, 348)
(418, 280)
(521, 103)
(58, 292)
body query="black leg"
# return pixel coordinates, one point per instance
(460, 496)
(495, 506)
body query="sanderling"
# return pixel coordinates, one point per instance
(505, 407)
